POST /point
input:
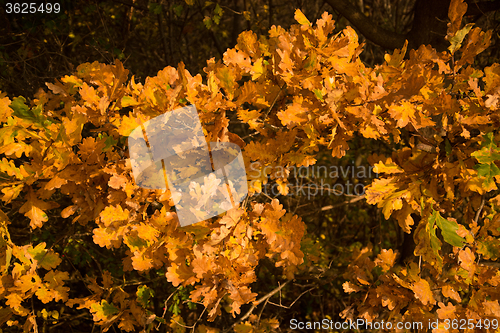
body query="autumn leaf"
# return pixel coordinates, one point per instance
(386, 259)
(450, 292)
(403, 114)
(45, 258)
(144, 294)
(301, 18)
(423, 292)
(456, 11)
(103, 310)
(177, 274)
(388, 167)
(34, 209)
(11, 192)
(350, 287)
(492, 308)
(112, 214)
(5, 110)
(467, 260)
(449, 229)
(292, 115)
(457, 39)
(446, 311)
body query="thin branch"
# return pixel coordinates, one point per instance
(255, 304)
(132, 5)
(289, 307)
(482, 7)
(163, 39)
(380, 36)
(272, 104)
(165, 306)
(478, 213)
(353, 200)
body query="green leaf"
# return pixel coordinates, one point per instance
(318, 94)
(178, 10)
(447, 147)
(155, 8)
(489, 150)
(448, 229)
(208, 22)
(310, 61)
(434, 240)
(218, 10)
(456, 41)
(21, 110)
(128, 101)
(487, 170)
(45, 259)
(136, 242)
(109, 141)
(197, 229)
(143, 294)
(108, 308)
(489, 248)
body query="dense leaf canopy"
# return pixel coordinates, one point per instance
(372, 179)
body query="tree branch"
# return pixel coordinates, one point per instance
(380, 36)
(256, 303)
(481, 7)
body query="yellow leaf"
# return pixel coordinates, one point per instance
(257, 69)
(386, 259)
(146, 232)
(467, 261)
(301, 18)
(378, 189)
(112, 214)
(72, 128)
(140, 262)
(423, 292)
(5, 110)
(11, 192)
(388, 167)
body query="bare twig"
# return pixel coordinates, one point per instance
(272, 104)
(163, 39)
(256, 303)
(353, 200)
(478, 213)
(165, 306)
(289, 306)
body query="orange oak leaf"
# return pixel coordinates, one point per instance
(492, 308)
(112, 214)
(386, 259)
(449, 291)
(457, 10)
(34, 209)
(467, 261)
(446, 311)
(423, 292)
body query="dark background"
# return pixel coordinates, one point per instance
(148, 36)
